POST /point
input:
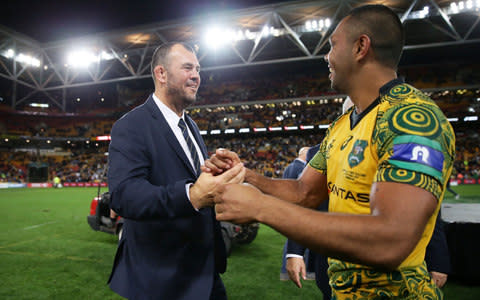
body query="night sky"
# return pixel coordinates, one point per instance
(49, 20)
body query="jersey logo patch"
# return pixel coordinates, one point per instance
(418, 154)
(356, 155)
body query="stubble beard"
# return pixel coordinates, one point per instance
(181, 95)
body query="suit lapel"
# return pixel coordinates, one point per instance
(168, 134)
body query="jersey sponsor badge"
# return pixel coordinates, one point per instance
(356, 156)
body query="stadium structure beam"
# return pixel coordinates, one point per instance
(467, 35)
(446, 19)
(324, 39)
(288, 16)
(294, 35)
(408, 11)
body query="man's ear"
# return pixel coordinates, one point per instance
(160, 73)
(362, 46)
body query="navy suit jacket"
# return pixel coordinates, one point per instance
(294, 169)
(168, 249)
(293, 247)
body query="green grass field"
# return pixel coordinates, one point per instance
(48, 251)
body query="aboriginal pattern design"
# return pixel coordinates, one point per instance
(387, 172)
(410, 112)
(352, 283)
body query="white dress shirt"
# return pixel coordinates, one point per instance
(172, 120)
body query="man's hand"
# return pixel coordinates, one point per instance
(238, 203)
(221, 161)
(439, 278)
(203, 192)
(296, 269)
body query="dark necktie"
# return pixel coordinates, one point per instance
(191, 145)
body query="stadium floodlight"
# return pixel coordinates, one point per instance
(317, 25)
(22, 58)
(470, 118)
(290, 128)
(265, 31)
(203, 132)
(244, 130)
(305, 127)
(469, 4)
(323, 126)
(216, 36)
(28, 60)
(9, 53)
(457, 7)
(82, 58)
(328, 22)
(106, 56)
(230, 130)
(41, 105)
(215, 131)
(308, 25)
(452, 119)
(249, 35)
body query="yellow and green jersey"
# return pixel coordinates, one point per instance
(402, 137)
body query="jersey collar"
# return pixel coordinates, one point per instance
(384, 89)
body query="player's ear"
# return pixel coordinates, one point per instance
(160, 73)
(362, 46)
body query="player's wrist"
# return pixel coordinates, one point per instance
(195, 197)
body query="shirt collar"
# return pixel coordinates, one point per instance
(389, 85)
(171, 117)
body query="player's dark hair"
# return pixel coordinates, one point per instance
(160, 55)
(384, 29)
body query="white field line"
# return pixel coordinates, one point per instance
(38, 225)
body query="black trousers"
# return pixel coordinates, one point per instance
(218, 289)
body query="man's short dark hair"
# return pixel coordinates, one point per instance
(160, 54)
(384, 29)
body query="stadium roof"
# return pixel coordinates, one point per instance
(276, 33)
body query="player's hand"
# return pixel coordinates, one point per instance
(222, 160)
(296, 269)
(439, 278)
(238, 203)
(203, 191)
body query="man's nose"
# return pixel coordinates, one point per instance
(195, 75)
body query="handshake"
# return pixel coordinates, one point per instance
(220, 185)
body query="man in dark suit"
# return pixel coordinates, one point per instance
(171, 247)
(293, 170)
(437, 255)
(295, 252)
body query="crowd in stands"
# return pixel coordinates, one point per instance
(268, 155)
(217, 108)
(467, 162)
(455, 103)
(78, 166)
